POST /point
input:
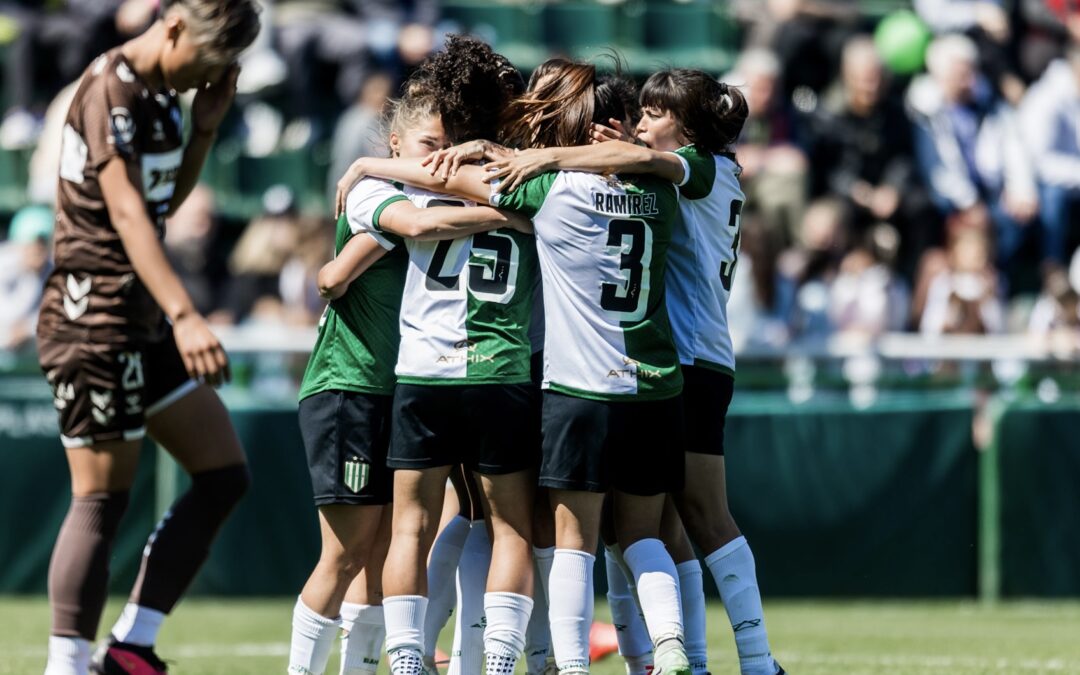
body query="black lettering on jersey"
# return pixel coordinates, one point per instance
(626, 204)
(161, 177)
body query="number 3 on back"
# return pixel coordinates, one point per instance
(727, 268)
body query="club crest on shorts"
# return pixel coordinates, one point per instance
(357, 474)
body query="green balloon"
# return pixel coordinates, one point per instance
(901, 39)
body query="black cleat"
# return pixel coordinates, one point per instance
(121, 658)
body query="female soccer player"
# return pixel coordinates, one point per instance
(689, 123)
(612, 418)
(463, 395)
(346, 396)
(119, 339)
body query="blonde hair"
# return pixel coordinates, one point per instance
(223, 28)
(416, 104)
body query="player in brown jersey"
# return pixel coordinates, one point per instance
(120, 341)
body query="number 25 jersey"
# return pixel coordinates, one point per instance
(467, 303)
(602, 244)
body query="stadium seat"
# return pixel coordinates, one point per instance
(692, 35)
(581, 29)
(511, 28)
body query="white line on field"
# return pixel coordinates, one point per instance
(1004, 664)
(1001, 664)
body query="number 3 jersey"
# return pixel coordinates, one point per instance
(467, 302)
(602, 244)
(702, 258)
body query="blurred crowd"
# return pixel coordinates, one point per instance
(917, 176)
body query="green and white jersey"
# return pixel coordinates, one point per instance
(602, 244)
(358, 334)
(466, 306)
(701, 262)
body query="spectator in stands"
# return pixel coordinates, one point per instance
(258, 258)
(1050, 122)
(867, 298)
(350, 36)
(55, 44)
(970, 151)
(806, 36)
(297, 284)
(862, 153)
(1046, 28)
(753, 307)
(988, 25)
(807, 272)
(963, 296)
(24, 264)
(358, 132)
(1056, 314)
(774, 168)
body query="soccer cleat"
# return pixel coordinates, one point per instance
(669, 658)
(121, 658)
(779, 669)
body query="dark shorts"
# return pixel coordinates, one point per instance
(631, 446)
(105, 392)
(489, 428)
(706, 397)
(346, 436)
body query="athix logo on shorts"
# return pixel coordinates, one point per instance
(634, 369)
(470, 355)
(357, 474)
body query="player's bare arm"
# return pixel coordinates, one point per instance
(356, 256)
(446, 162)
(605, 158)
(448, 222)
(201, 351)
(209, 108)
(467, 183)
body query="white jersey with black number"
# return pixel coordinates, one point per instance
(702, 258)
(466, 306)
(602, 245)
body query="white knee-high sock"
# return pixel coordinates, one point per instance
(468, 656)
(732, 567)
(404, 619)
(441, 575)
(538, 633)
(543, 557)
(570, 606)
(312, 640)
(68, 656)
(635, 646)
(692, 594)
(363, 632)
(504, 638)
(657, 587)
(138, 625)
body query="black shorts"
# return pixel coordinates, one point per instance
(489, 428)
(104, 392)
(346, 436)
(631, 446)
(706, 397)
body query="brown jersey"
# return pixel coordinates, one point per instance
(93, 293)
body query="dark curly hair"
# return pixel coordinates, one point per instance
(710, 112)
(472, 84)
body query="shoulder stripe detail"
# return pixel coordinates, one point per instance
(380, 207)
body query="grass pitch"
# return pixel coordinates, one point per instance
(250, 637)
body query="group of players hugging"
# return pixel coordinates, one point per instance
(525, 353)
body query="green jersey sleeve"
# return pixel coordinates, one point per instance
(699, 172)
(526, 198)
(365, 205)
